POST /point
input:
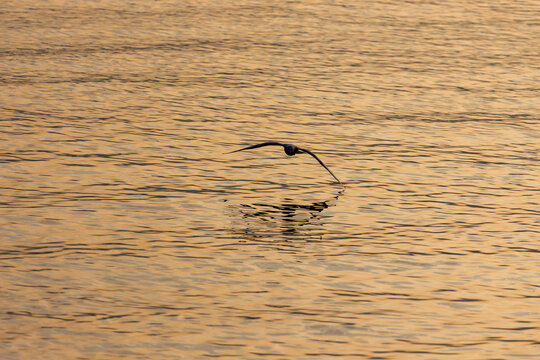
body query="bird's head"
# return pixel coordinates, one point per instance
(290, 149)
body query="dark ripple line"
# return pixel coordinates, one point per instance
(77, 249)
(442, 344)
(413, 352)
(498, 338)
(362, 355)
(65, 197)
(192, 44)
(524, 328)
(33, 315)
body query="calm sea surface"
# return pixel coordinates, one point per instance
(127, 232)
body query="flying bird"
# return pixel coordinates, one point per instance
(289, 150)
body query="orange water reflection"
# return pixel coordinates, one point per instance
(127, 232)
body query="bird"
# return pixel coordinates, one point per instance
(290, 150)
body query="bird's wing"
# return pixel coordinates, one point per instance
(257, 146)
(320, 162)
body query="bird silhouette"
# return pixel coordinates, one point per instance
(290, 150)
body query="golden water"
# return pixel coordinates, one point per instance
(128, 233)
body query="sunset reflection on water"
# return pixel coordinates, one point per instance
(128, 231)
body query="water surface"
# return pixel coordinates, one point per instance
(127, 232)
